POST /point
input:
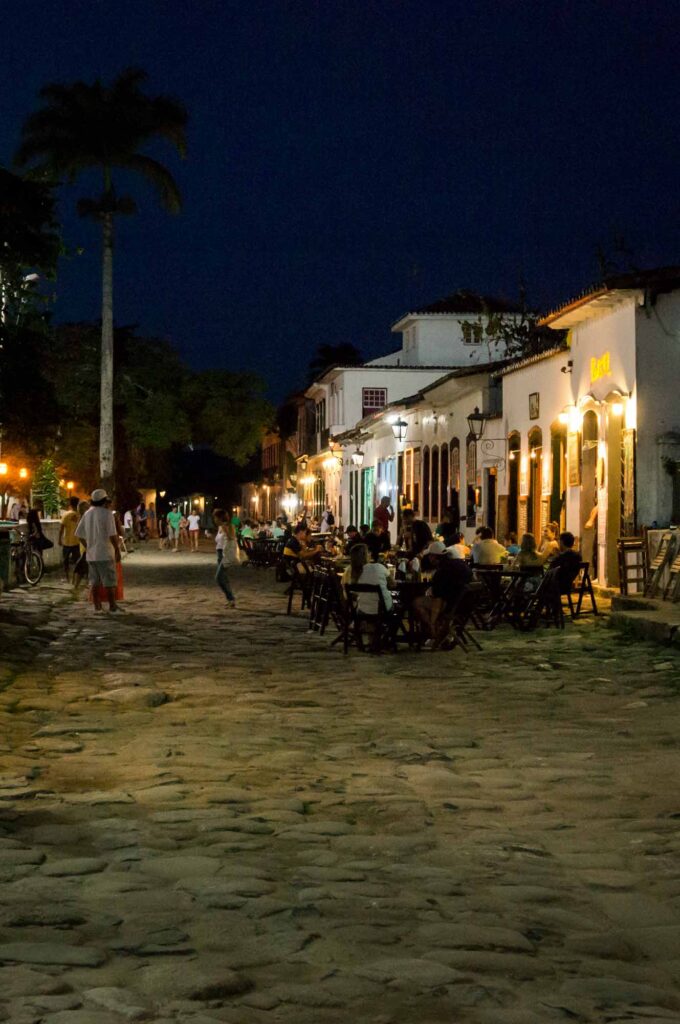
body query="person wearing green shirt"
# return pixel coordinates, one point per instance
(173, 519)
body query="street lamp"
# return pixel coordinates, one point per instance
(476, 424)
(3, 469)
(358, 458)
(399, 428)
(303, 463)
(23, 473)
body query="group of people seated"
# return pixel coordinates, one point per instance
(445, 557)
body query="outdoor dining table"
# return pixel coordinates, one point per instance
(502, 584)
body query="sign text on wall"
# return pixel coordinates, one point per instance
(599, 367)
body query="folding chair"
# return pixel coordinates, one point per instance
(461, 617)
(581, 587)
(301, 582)
(665, 554)
(382, 622)
(545, 604)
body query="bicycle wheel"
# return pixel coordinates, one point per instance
(34, 567)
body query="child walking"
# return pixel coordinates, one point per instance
(227, 555)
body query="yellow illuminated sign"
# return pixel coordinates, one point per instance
(599, 367)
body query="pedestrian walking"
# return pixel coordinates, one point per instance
(173, 519)
(184, 530)
(70, 548)
(80, 568)
(97, 529)
(226, 547)
(194, 529)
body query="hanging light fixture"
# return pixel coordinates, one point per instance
(303, 463)
(476, 424)
(399, 428)
(358, 457)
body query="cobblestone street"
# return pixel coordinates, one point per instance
(210, 815)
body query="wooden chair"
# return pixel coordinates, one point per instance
(633, 567)
(461, 615)
(319, 601)
(672, 588)
(582, 587)
(301, 582)
(664, 556)
(383, 623)
(545, 604)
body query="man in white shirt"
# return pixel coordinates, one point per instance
(97, 531)
(487, 551)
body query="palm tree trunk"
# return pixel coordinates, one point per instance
(106, 400)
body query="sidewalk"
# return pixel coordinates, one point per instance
(647, 618)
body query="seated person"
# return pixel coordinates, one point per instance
(549, 546)
(450, 578)
(567, 562)
(299, 545)
(487, 551)
(528, 557)
(247, 530)
(363, 531)
(415, 535)
(277, 530)
(377, 540)
(511, 545)
(352, 537)
(448, 528)
(458, 548)
(362, 570)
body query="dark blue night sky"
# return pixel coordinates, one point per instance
(349, 160)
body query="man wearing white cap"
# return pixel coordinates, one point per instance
(450, 577)
(97, 531)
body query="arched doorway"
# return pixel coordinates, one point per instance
(558, 489)
(454, 449)
(426, 483)
(514, 455)
(471, 482)
(589, 483)
(534, 524)
(444, 479)
(434, 472)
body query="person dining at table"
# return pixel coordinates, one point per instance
(415, 534)
(300, 545)
(487, 550)
(449, 580)
(567, 562)
(362, 570)
(447, 530)
(352, 537)
(528, 556)
(549, 547)
(377, 540)
(458, 548)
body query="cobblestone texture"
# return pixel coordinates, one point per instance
(209, 815)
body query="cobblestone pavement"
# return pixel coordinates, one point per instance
(209, 815)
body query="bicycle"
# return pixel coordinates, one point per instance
(28, 563)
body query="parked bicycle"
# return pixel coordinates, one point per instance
(28, 563)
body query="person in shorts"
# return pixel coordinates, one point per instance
(173, 520)
(70, 548)
(194, 529)
(97, 529)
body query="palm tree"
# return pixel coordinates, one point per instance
(83, 127)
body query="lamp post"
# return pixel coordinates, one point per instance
(476, 424)
(399, 429)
